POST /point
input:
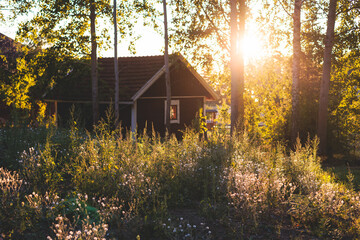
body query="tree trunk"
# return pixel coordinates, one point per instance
(325, 81)
(116, 69)
(296, 70)
(167, 72)
(237, 63)
(94, 80)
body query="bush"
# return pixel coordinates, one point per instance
(122, 187)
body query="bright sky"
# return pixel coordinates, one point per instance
(152, 43)
(149, 43)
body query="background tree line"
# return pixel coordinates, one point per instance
(281, 91)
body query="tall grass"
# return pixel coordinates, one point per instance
(69, 184)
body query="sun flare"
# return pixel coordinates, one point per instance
(253, 47)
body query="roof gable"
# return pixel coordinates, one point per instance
(136, 75)
(184, 83)
(178, 59)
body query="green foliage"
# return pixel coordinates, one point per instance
(15, 91)
(77, 210)
(204, 35)
(64, 26)
(199, 123)
(223, 117)
(345, 104)
(124, 187)
(268, 101)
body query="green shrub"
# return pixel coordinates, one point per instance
(133, 183)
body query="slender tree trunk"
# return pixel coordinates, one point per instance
(167, 72)
(94, 80)
(237, 63)
(234, 63)
(241, 68)
(296, 70)
(116, 68)
(325, 81)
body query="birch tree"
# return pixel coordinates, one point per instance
(325, 81)
(237, 23)
(116, 70)
(167, 71)
(296, 69)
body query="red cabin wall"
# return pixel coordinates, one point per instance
(151, 113)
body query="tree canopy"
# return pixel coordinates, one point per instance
(60, 31)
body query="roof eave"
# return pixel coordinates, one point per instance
(148, 84)
(213, 94)
(158, 74)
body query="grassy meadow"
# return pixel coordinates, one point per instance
(70, 184)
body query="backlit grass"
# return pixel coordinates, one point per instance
(69, 184)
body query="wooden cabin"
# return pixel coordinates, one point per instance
(142, 93)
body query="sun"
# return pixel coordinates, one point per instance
(253, 46)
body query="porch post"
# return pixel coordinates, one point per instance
(134, 117)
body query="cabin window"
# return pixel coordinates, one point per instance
(174, 111)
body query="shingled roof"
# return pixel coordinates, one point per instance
(135, 74)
